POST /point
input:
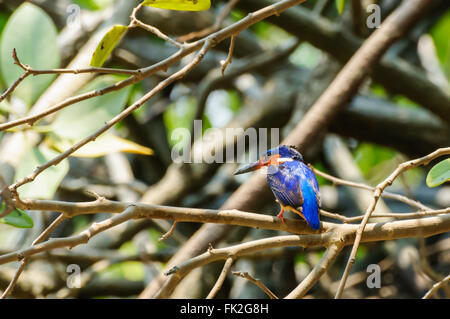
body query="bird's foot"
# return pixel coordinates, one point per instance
(280, 215)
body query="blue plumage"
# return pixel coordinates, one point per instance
(292, 182)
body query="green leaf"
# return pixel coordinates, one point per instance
(130, 270)
(46, 183)
(368, 156)
(83, 118)
(103, 145)
(340, 5)
(94, 4)
(183, 5)
(3, 20)
(32, 33)
(107, 44)
(17, 218)
(439, 32)
(440, 173)
(180, 114)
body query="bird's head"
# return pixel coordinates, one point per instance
(274, 156)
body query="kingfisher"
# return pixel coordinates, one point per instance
(292, 182)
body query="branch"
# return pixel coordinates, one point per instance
(169, 232)
(310, 238)
(31, 71)
(229, 59)
(398, 197)
(221, 279)
(135, 22)
(377, 193)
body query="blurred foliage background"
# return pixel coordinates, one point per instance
(135, 157)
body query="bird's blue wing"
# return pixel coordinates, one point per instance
(285, 187)
(312, 180)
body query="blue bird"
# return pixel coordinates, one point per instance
(291, 181)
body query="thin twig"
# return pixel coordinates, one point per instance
(229, 59)
(14, 85)
(135, 22)
(430, 293)
(221, 279)
(169, 232)
(343, 182)
(31, 71)
(257, 282)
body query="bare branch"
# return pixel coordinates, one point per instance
(257, 282)
(328, 234)
(170, 232)
(398, 197)
(135, 22)
(221, 279)
(31, 71)
(229, 59)
(430, 293)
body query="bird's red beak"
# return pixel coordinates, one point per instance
(258, 164)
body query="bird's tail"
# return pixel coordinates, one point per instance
(310, 206)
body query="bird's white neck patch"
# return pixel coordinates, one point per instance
(284, 159)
